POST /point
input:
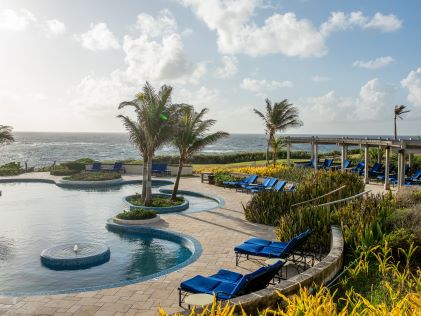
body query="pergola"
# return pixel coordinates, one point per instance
(401, 146)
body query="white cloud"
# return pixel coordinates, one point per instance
(228, 68)
(55, 27)
(159, 59)
(374, 63)
(12, 20)
(318, 78)
(260, 86)
(413, 83)
(202, 97)
(373, 103)
(340, 21)
(384, 23)
(280, 33)
(163, 24)
(99, 37)
(373, 100)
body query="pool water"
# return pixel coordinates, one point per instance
(35, 216)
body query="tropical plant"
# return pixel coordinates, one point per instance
(153, 127)
(6, 136)
(398, 112)
(277, 144)
(191, 137)
(278, 117)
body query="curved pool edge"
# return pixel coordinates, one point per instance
(160, 210)
(220, 201)
(93, 184)
(185, 240)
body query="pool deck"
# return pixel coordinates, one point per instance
(218, 231)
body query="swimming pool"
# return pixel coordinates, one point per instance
(35, 216)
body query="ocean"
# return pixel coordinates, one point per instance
(40, 149)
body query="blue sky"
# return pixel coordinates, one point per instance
(66, 65)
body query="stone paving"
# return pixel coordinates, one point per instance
(218, 231)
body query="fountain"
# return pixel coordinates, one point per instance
(75, 256)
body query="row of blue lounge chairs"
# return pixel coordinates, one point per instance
(248, 184)
(97, 166)
(227, 284)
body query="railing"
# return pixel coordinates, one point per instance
(319, 197)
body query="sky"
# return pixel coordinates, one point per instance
(66, 65)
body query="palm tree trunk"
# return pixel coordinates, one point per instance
(145, 175)
(267, 150)
(148, 194)
(177, 180)
(274, 156)
(396, 130)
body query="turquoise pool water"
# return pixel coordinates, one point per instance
(35, 216)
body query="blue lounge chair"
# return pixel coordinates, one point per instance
(415, 179)
(237, 184)
(359, 168)
(279, 186)
(159, 169)
(327, 164)
(267, 184)
(373, 171)
(309, 164)
(96, 166)
(227, 284)
(270, 249)
(392, 171)
(118, 167)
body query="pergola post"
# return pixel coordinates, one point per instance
(316, 154)
(289, 154)
(343, 157)
(379, 158)
(401, 168)
(386, 169)
(366, 179)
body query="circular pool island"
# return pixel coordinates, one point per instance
(75, 256)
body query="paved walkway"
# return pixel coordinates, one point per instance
(218, 231)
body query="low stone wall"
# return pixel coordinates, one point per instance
(93, 184)
(321, 273)
(138, 169)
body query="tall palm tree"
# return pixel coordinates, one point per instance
(191, 136)
(156, 123)
(278, 117)
(6, 136)
(277, 144)
(398, 112)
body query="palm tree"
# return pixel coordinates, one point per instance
(6, 136)
(398, 112)
(155, 126)
(277, 144)
(278, 117)
(191, 137)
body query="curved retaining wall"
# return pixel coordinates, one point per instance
(320, 273)
(161, 210)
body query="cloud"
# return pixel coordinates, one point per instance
(371, 104)
(159, 59)
(384, 23)
(374, 100)
(413, 83)
(318, 78)
(55, 27)
(202, 97)
(163, 24)
(99, 37)
(374, 63)
(17, 21)
(280, 33)
(341, 21)
(260, 86)
(228, 68)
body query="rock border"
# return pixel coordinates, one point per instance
(161, 210)
(136, 221)
(91, 184)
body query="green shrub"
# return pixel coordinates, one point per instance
(11, 169)
(137, 214)
(157, 201)
(78, 165)
(93, 176)
(267, 207)
(221, 176)
(408, 196)
(63, 172)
